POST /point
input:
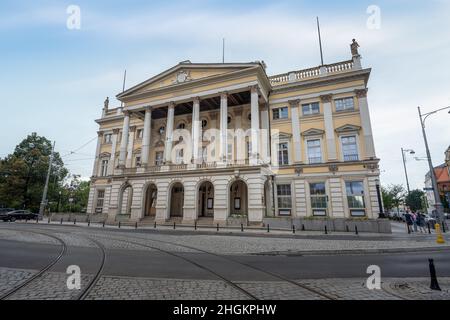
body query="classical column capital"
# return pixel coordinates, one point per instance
(224, 95)
(126, 113)
(116, 131)
(254, 88)
(294, 103)
(361, 93)
(100, 133)
(171, 105)
(132, 128)
(326, 98)
(148, 109)
(196, 100)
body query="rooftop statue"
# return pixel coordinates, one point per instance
(354, 47)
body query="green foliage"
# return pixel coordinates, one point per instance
(415, 200)
(393, 196)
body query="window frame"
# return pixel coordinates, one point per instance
(99, 208)
(320, 147)
(159, 161)
(314, 208)
(104, 168)
(278, 112)
(349, 135)
(345, 109)
(353, 209)
(310, 108)
(287, 210)
(281, 151)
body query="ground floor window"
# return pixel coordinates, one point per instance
(100, 201)
(284, 199)
(319, 198)
(355, 198)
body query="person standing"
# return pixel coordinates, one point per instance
(421, 222)
(408, 220)
(414, 220)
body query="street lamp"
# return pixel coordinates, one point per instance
(381, 214)
(437, 198)
(404, 165)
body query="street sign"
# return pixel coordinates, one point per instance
(428, 189)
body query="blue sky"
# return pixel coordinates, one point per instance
(53, 80)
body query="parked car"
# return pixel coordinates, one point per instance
(18, 215)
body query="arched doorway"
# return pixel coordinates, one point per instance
(238, 198)
(125, 199)
(176, 200)
(205, 202)
(150, 201)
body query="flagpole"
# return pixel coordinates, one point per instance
(320, 41)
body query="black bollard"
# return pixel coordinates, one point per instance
(119, 225)
(48, 221)
(37, 219)
(103, 223)
(434, 285)
(303, 227)
(293, 229)
(217, 227)
(356, 229)
(61, 220)
(89, 223)
(443, 227)
(174, 226)
(75, 221)
(154, 226)
(429, 229)
(326, 231)
(268, 228)
(347, 229)
(135, 225)
(195, 225)
(242, 227)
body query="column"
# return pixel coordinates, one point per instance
(97, 153)
(365, 123)
(223, 126)
(254, 105)
(265, 136)
(213, 146)
(329, 127)
(112, 160)
(169, 133)
(196, 130)
(146, 137)
(129, 161)
(239, 136)
(296, 138)
(124, 142)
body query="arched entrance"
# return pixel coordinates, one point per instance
(176, 200)
(150, 201)
(205, 202)
(125, 199)
(238, 198)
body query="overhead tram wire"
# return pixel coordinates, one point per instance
(78, 149)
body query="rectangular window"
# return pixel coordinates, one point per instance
(104, 168)
(344, 104)
(314, 151)
(100, 201)
(138, 161)
(107, 138)
(283, 154)
(284, 199)
(355, 198)
(280, 113)
(249, 149)
(349, 148)
(179, 158)
(230, 152)
(159, 158)
(139, 133)
(310, 108)
(204, 154)
(319, 199)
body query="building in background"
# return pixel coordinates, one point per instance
(226, 143)
(442, 173)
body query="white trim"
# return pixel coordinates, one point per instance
(318, 94)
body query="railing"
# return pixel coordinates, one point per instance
(206, 165)
(351, 157)
(238, 163)
(311, 72)
(177, 167)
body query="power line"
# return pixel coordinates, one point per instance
(78, 149)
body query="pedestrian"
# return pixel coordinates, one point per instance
(408, 220)
(414, 220)
(421, 222)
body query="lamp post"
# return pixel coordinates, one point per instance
(381, 214)
(437, 198)
(404, 165)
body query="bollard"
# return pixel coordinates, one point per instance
(119, 224)
(439, 238)
(434, 285)
(61, 220)
(326, 231)
(89, 223)
(174, 226)
(37, 219)
(429, 229)
(242, 227)
(356, 230)
(268, 228)
(154, 226)
(217, 227)
(303, 227)
(48, 220)
(293, 229)
(347, 229)
(443, 227)
(135, 225)
(103, 223)
(195, 225)
(75, 221)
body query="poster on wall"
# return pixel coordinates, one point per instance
(237, 203)
(210, 203)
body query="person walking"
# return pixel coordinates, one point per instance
(408, 220)
(421, 222)
(414, 220)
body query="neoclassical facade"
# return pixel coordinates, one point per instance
(225, 142)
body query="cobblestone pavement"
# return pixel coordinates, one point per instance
(23, 236)
(52, 286)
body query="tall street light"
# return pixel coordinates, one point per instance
(404, 166)
(437, 198)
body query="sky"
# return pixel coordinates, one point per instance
(54, 79)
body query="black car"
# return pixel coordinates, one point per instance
(18, 215)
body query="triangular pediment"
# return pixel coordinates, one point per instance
(348, 128)
(186, 72)
(313, 132)
(281, 136)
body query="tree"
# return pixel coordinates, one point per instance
(414, 200)
(23, 173)
(393, 196)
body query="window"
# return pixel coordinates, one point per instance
(229, 120)
(280, 113)
(140, 133)
(311, 108)
(159, 158)
(229, 152)
(204, 154)
(283, 154)
(204, 123)
(179, 157)
(181, 125)
(314, 151)
(349, 148)
(108, 138)
(284, 199)
(100, 201)
(344, 104)
(355, 198)
(104, 168)
(249, 149)
(319, 199)
(138, 161)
